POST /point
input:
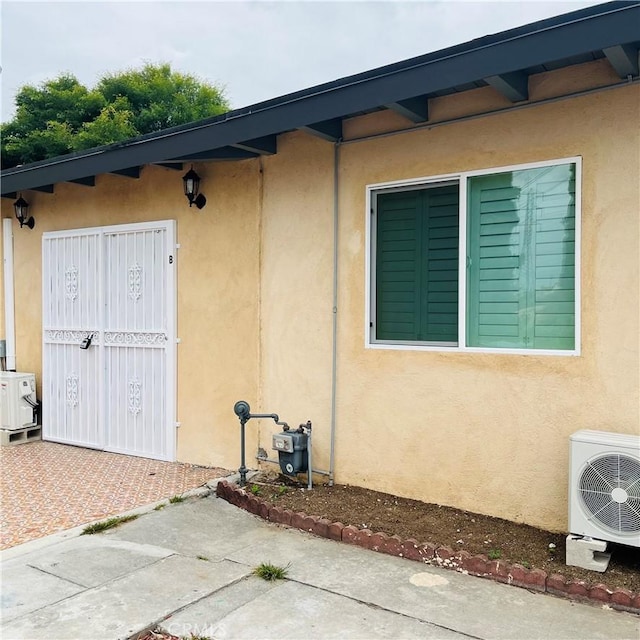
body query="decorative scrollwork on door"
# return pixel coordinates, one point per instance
(135, 282)
(72, 390)
(71, 282)
(135, 396)
(135, 338)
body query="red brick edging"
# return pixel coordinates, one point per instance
(461, 561)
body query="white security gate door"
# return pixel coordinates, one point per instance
(72, 309)
(116, 286)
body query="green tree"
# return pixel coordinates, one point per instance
(114, 123)
(55, 139)
(62, 115)
(47, 117)
(160, 98)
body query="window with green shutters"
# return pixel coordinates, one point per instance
(515, 228)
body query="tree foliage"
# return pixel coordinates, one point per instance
(62, 115)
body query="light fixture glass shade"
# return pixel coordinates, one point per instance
(21, 207)
(191, 182)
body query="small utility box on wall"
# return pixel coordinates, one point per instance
(292, 451)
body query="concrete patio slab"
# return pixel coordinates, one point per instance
(121, 608)
(332, 590)
(182, 530)
(93, 562)
(427, 593)
(294, 611)
(25, 589)
(203, 618)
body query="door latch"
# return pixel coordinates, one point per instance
(86, 343)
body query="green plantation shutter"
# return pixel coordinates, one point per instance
(417, 265)
(496, 272)
(398, 250)
(440, 264)
(521, 259)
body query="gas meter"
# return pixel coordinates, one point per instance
(292, 450)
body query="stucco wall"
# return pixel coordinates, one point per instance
(483, 432)
(2, 325)
(217, 268)
(490, 432)
(297, 288)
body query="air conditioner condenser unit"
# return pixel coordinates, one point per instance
(604, 495)
(17, 400)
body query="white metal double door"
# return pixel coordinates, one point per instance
(116, 287)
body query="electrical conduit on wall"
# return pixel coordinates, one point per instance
(334, 356)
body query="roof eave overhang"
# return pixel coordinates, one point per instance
(354, 95)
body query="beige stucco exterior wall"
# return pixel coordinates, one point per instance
(217, 269)
(483, 432)
(297, 288)
(2, 318)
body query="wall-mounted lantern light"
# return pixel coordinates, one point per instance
(191, 182)
(21, 207)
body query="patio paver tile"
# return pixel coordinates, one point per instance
(47, 487)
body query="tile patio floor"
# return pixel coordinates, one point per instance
(47, 487)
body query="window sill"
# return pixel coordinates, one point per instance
(456, 349)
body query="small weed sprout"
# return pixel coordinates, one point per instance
(176, 499)
(494, 554)
(282, 490)
(159, 507)
(271, 572)
(525, 564)
(203, 558)
(99, 527)
(255, 489)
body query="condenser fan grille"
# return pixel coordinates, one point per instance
(610, 491)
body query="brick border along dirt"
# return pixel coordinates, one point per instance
(462, 561)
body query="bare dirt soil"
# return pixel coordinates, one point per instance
(445, 526)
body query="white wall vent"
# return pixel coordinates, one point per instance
(604, 486)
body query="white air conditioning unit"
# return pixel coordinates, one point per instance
(604, 487)
(17, 400)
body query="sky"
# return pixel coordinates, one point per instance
(256, 50)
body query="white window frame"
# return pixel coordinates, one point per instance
(372, 190)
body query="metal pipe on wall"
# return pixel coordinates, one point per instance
(334, 355)
(320, 472)
(9, 295)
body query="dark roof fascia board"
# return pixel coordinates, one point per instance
(386, 85)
